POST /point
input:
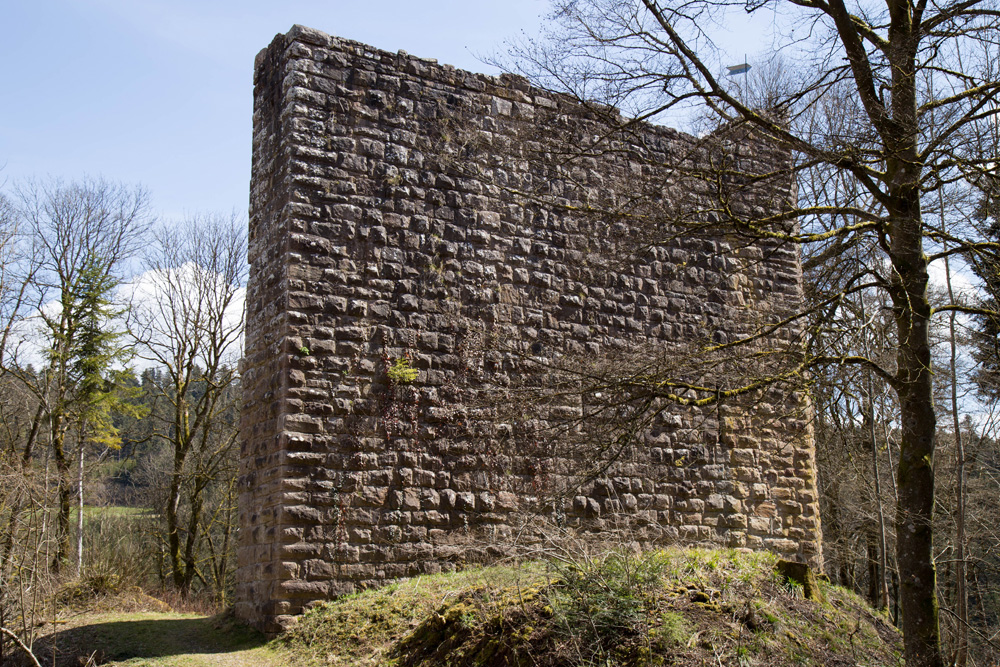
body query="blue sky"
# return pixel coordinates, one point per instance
(158, 92)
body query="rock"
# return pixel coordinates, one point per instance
(803, 575)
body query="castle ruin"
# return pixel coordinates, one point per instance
(421, 244)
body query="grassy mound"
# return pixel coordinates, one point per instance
(672, 607)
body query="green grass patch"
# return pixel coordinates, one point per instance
(675, 606)
(96, 512)
(162, 640)
(364, 628)
(680, 607)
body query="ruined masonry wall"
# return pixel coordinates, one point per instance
(389, 221)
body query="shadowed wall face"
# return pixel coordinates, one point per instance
(424, 259)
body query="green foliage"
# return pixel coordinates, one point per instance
(599, 602)
(673, 630)
(400, 372)
(119, 546)
(87, 350)
(986, 336)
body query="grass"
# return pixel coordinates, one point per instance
(92, 512)
(161, 640)
(681, 607)
(365, 628)
(676, 606)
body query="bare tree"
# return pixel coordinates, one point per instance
(187, 318)
(83, 235)
(62, 249)
(859, 109)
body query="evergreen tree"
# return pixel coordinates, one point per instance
(986, 335)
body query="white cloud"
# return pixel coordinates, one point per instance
(151, 294)
(141, 299)
(964, 282)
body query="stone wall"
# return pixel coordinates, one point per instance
(426, 259)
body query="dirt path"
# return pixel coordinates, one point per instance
(160, 640)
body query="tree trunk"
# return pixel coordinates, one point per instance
(181, 441)
(173, 529)
(882, 601)
(883, 588)
(874, 592)
(32, 435)
(912, 311)
(961, 596)
(79, 518)
(222, 565)
(65, 494)
(191, 541)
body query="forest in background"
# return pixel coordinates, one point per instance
(119, 400)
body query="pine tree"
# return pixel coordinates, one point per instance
(986, 335)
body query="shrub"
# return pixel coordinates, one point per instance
(400, 372)
(603, 604)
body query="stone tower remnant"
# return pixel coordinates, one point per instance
(419, 239)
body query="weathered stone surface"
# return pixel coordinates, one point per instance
(803, 575)
(399, 210)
